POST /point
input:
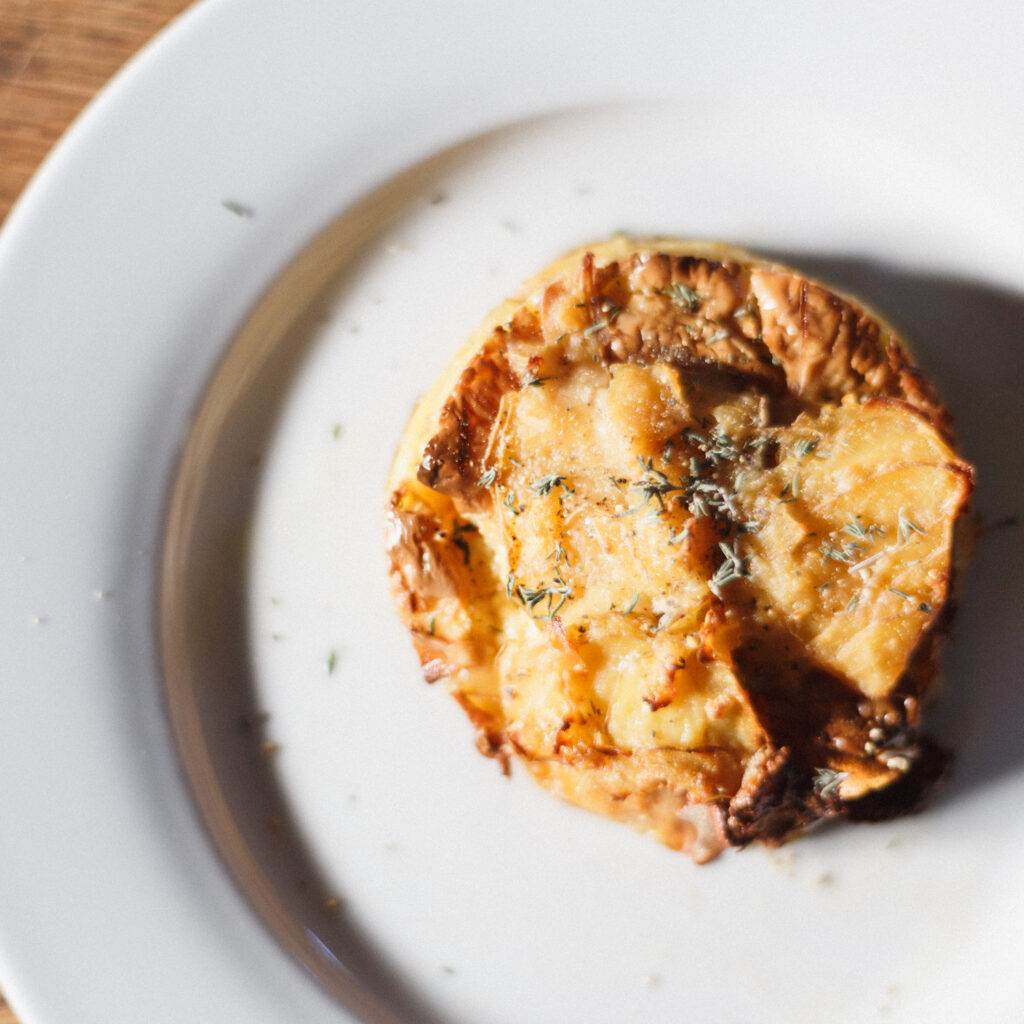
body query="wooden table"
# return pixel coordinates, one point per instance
(54, 56)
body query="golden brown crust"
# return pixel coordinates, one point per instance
(676, 529)
(830, 347)
(452, 460)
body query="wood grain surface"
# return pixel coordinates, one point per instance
(54, 56)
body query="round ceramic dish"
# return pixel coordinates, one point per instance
(228, 795)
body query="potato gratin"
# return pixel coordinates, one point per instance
(677, 529)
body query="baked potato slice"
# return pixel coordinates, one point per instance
(678, 529)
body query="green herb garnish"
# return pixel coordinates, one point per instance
(559, 554)
(685, 298)
(683, 534)
(612, 316)
(844, 553)
(905, 527)
(510, 504)
(827, 780)
(793, 487)
(546, 484)
(531, 597)
(732, 568)
(654, 484)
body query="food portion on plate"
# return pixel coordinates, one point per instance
(679, 528)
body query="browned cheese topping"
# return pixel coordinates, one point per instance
(678, 534)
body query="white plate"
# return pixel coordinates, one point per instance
(342, 193)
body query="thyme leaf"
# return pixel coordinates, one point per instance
(654, 483)
(559, 554)
(531, 597)
(855, 528)
(683, 534)
(732, 568)
(793, 487)
(546, 484)
(510, 504)
(663, 620)
(827, 780)
(610, 318)
(905, 527)
(685, 298)
(843, 553)
(804, 447)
